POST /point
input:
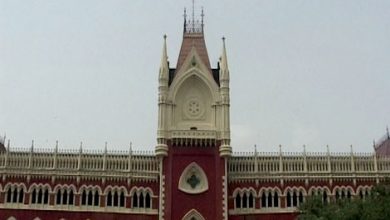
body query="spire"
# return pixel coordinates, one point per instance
(224, 64)
(387, 132)
(164, 61)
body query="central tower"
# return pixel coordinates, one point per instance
(193, 137)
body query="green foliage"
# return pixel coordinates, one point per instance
(375, 207)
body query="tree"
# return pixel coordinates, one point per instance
(374, 207)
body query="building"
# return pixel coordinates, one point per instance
(193, 174)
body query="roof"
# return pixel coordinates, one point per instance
(197, 41)
(383, 147)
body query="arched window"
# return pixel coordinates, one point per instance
(135, 200)
(269, 199)
(39, 196)
(147, 201)
(141, 200)
(71, 197)
(276, 199)
(21, 195)
(109, 199)
(238, 201)
(65, 197)
(15, 196)
(34, 196)
(122, 200)
(263, 200)
(90, 198)
(96, 199)
(288, 198)
(84, 198)
(9, 195)
(294, 199)
(244, 201)
(46, 197)
(250, 205)
(300, 198)
(58, 197)
(325, 197)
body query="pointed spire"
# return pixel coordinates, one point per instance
(255, 149)
(202, 15)
(193, 14)
(105, 148)
(327, 149)
(56, 148)
(32, 146)
(164, 61)
(224, 63)
(81, 147)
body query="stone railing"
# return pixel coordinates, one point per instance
(101, 163)
(265, 165)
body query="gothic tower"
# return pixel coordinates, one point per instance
(193, 137)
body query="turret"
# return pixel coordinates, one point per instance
(163, 79)
(225, 148)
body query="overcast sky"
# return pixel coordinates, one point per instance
(302, 72)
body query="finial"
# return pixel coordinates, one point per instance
(105, 147)
(255, 149)
(327, 149)
(81, 147)
(193, 12)
(280, 148)
(8, 144)
(56, 148)
(223, 39)
(32, 145)
(131, 147)
(202, 15)
(387, 131)
(304, 148)
(165, 37)
(351, 149)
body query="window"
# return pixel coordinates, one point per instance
(40, 196)
(65, 196)
(294, 197)
(141, 198)
(115, 198)
(90, 197)
(244, 199)
(14, 194)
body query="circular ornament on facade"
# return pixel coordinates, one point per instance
(193, 108)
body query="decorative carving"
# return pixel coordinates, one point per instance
(193, 180)
(193, 108)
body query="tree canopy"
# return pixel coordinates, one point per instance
(374, 207)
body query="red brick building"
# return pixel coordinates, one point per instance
(193, 174)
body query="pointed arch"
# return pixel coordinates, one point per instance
(193, 180)
(193, 214)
